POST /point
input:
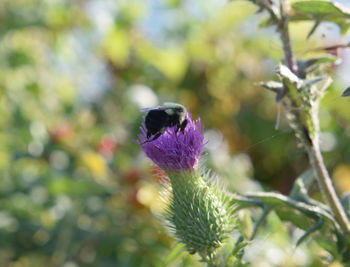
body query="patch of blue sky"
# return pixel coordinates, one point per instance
(77, 61)
(76, 56)
(343, 70)
(101, 14)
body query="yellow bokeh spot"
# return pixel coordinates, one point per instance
(149, 196)
(96, 164)
(41, 237)
(116, 46)
(335, 264)
(47, 219)
(87, 119)
(5, 159)
(341, 178)
(66, 90)
(171, 62)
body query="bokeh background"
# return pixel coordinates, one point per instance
(75, 189)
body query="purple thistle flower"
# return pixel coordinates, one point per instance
(175, 152)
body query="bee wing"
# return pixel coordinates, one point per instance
(152, 108)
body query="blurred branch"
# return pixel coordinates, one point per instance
(327, 188)
(283, 28)
(302, 103)
(312, 148)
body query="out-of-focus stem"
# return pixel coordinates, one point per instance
(327, 188)
(313, 148)
(284, 32)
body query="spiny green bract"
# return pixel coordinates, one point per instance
(198, 213)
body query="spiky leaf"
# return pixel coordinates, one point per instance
(322, 11)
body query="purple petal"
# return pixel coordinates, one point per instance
(176, 152)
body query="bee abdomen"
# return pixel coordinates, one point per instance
(155, 121)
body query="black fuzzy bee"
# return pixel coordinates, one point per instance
(158, 119)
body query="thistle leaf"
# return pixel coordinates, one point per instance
(291, 83)
(346, 92)
(317, 226)
(272, 85)
(301, 186)
(322, 11)
(313, 29)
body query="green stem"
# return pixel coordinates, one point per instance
(284, 32)
(327, 188)
(313, 149)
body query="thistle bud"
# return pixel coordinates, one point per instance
(197, 213)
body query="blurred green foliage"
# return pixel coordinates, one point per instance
(75, 188)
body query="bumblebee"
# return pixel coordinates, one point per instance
(158, 119)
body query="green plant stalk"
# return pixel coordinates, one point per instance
(327, 188)
(283, 27)
(313, 148)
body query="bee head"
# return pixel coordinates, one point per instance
(182, 114)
